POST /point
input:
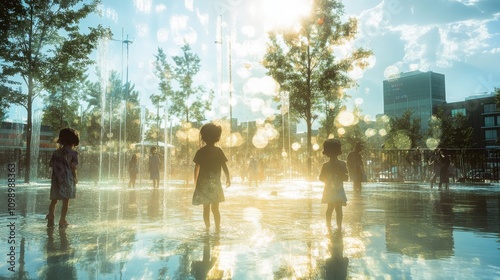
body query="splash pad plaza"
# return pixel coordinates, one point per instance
(273, 231)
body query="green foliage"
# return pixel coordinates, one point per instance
(304, 63)
(189, 102)
(404, 132)
(44, 46)
(452, 131)
(9, 96)
(114, 97)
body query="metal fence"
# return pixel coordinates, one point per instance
(473, 165)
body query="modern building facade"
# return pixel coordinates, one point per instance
(483, 116)
(420, 92)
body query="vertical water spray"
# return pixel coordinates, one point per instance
(103, 78)
(35, 143)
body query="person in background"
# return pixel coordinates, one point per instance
(154, 167)
(435, 166)
(333, 174)
(133, 170)
(63, 181)
(444, 176)
(355, 166)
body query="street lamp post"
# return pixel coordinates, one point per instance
(128, 42)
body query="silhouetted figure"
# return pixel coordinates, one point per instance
(355, 166)
(444, 176)
(63, 182)
(333, 174)
(201, 269)
(336, 265)
(253, 172)
(434, 164)
(133, 170)
(209, 160)
(154, 167)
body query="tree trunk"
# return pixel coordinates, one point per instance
(29, 124)
(309, 149)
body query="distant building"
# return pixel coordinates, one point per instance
(483, 116)
(420, 92)
(12, 135)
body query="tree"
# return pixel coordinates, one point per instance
(91, 115)
(189, 102)
(304, 63)
(9, 96)
(404, 132)
(62, 106)
(451, 131)
(44, 46)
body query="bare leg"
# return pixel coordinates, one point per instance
(206, 215)
(64, 212)
(216, 213)
(339, 216)
(52, 207)
(329, 212)
(50, 216)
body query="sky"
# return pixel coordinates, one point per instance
(458, 38)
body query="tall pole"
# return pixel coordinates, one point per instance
(126, 99)
(230, 100)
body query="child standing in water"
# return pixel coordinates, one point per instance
(209, 160)
(333, 174)
(154, 167)
(63, 182)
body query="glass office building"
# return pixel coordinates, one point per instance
(420, 92)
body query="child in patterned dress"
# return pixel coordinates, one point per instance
(209, 160)
(63, 182)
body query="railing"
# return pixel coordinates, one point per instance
(477, 165)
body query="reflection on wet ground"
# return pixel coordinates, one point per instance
(274, 231)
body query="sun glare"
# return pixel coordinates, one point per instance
(285, 13)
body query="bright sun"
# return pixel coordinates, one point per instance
(284, 13)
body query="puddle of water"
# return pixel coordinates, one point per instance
(274, 231)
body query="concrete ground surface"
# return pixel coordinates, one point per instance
(273, 231)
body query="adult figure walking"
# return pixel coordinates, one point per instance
(355, 166)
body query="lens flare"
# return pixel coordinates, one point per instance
(296, 146)
(259, 141)
(402, 140)
(432, 143)
(346, 118)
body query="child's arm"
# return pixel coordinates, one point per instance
(226, 172)
(196, 172)
(322, 174)
(73, 171)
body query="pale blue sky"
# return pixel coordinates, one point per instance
(458, 38)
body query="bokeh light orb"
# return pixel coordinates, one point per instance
(346, 118)
(402, 140)
(259, 141)
(432, 143)
(341, 131)
(296, 146)
(193, 134)
(358, 101)
(382, 132)
(315, 147)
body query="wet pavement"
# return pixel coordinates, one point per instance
(274, 231)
